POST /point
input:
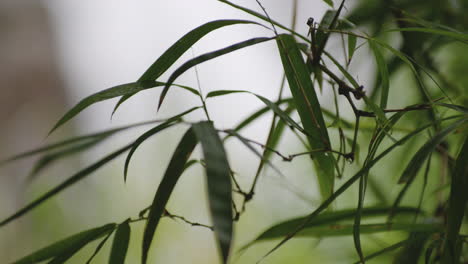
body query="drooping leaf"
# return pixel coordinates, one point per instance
(218, 175)
(120, 244)
(325, 204)
(171, 176)
(99, 247)
(49, 159)
(326, 219)
(463, 37)
(110, 93)
(456, 207)
(382, 67)
(173, 53)
(64, 185)
(383, 251)
(458, 108)
(170, 122)
(67, 245)
(418, 159)
(206, 57)
(413, 249)
(309, 110)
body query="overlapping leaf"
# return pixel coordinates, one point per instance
(120, 244)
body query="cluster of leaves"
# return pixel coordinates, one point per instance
(304, 60)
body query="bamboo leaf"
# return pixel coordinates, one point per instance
(223, 92)
(171, 176)
(219, 184)
(352, 41)
(459, 108)
(309, 110)
(384, 250)
(456, 207)
(206, 57)
(329, 22)
(382, 67)
(99, 247)
(110, 93)
(418, 159)
(120, 244)
(170, 122)
(463, 37)
(64, 185)
(66, 246)
(326, 220)
(173, 53)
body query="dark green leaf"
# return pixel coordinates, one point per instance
(458, 108)
(418, 159)
(326, 219)
(456, 207)
(171, 176)
(384, 250)
(206, 57)
(309, 110)
(223, 92)
(67, 245)
(170, 122)
(352, 41)
(110, 93)
(382, 67)
(218, 175)
(172, 54)
(329, 22)
(120, 244)
(463, 37)
(99, 247)
(67, 183)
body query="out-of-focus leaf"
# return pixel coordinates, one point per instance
(329, 22)
(49, 159)
(413, 249)
(418, 159)
(120, 244)
(463, 37)
(171, 176)
(383, 251)
(206, 57)
(325, 204)
(173, 53)
(458, 108)
(309, 110)
(170, 122)
(64, 247)
(64, 185)
(382, 67)
(456, 207)
(218, 175)
(223, 92)
(326, 219)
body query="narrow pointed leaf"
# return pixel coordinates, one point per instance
(418, 159)
(171, 176)
(206, 57)
(384, 250)
(329, 22)
(382, 67)
(463, 37)
(458, 108)
(99, 247)
(326, 219)
(309, 110)
(67, 245)
(64, 185)
(352, 41)
(170, 122)
(120, 244)
(105, 95)
(456, 207)
(173, 53)
(218, 175)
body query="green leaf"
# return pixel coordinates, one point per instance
(99, 247)
(206, 57)
(352, 41)
(67, 246)
(120, 244)
(458, 108)
(329, 22)
(456, 207)
(218, 175)
(347, 230)
(171, 176)
(64, 185)
(51, 158)
(110, 93)
(384, 250)
(382, 67)
(463, 37)
(173, 53)
(418, 159)
(309, 110)
(364, 170)
(170, 122)
(326, 219)
(223, 92)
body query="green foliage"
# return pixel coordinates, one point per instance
(334, 144)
